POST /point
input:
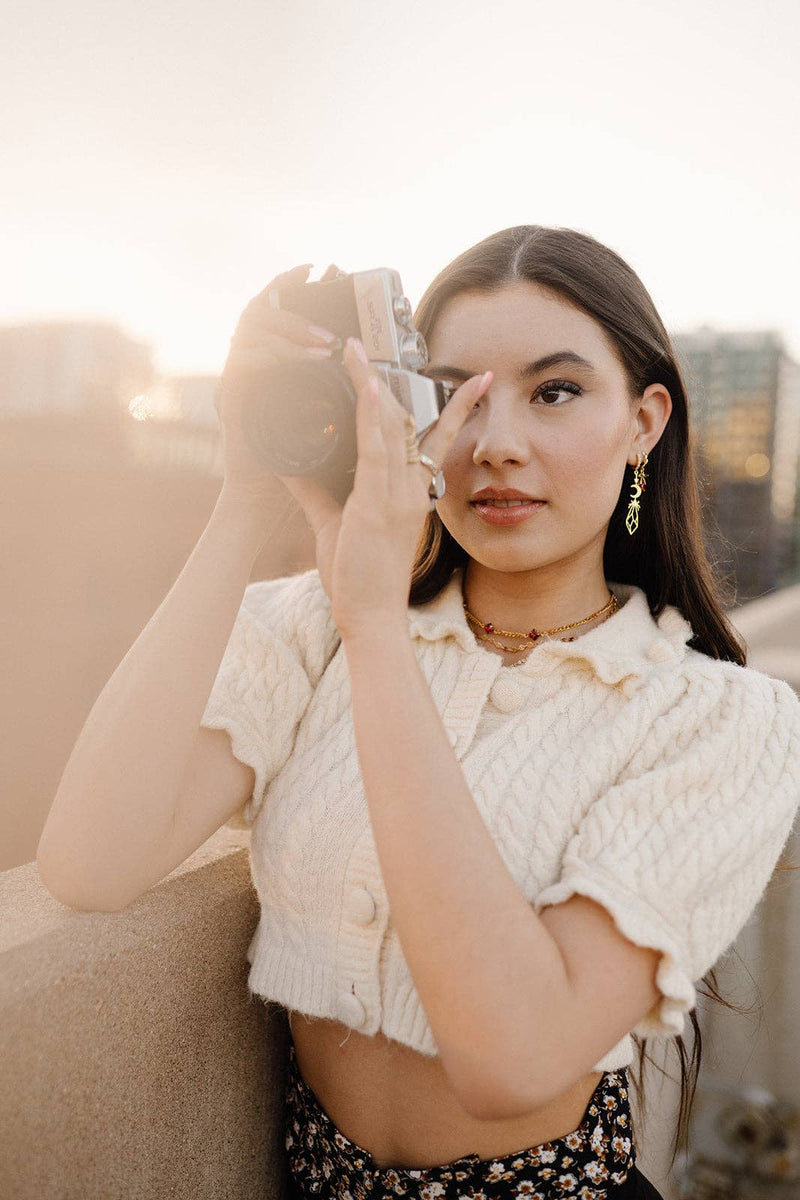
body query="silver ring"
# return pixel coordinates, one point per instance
(437, 484)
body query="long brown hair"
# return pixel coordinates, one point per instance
(666, 557)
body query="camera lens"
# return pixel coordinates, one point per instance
(299, 418)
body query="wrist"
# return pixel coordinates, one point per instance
(377, 633)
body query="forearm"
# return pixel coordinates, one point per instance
(115, 804)
(481, 959)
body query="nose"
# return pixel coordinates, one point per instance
(501, 435)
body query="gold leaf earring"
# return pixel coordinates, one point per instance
(638, 486)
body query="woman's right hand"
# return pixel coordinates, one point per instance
(265, 337)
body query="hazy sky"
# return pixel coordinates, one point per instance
(161, 162)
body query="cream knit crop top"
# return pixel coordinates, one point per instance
(623, 766)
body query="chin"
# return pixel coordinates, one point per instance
(509, 563)
(495, 557)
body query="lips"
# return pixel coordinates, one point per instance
(489, 495)
(503, 503)
(504, 509)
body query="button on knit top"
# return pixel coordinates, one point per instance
(624, 766)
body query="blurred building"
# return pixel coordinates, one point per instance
(174, 423)
(85, 392)
(87, 368)
(108, 477)
(744, 397)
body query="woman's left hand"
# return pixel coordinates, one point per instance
(384, 515)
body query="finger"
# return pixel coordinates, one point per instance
(271, 349)
(261, 301)
(256, 320)
(331, 273)
(371, 476)
(293, 275)
(259, 314)
(396, 425)
(360, 370)
(438, 440)
(354, 357)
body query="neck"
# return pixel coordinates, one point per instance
(543, 598)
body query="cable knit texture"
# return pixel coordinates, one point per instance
(623, 766)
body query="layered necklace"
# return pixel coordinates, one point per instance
(531, 637)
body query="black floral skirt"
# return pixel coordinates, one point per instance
(595, 1161)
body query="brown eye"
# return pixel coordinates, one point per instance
(553, 387)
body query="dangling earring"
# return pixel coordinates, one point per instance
(639, 484)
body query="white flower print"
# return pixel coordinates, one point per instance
(597, 1140)
(496, 1171)
(621, 1146)
(596, 1171)
(431, 1190)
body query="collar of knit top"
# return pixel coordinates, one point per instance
(628, 643)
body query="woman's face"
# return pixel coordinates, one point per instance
(559, 432)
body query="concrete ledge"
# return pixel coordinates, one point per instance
(135, 1063)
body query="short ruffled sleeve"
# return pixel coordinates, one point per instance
(682, 847)
(281, 641)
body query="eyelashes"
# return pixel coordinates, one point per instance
(553, 387)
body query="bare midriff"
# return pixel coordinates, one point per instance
(398, 1104)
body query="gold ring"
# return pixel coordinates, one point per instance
(412, 443)
(412, 450)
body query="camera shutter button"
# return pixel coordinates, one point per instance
(414, 352)
(402, 309)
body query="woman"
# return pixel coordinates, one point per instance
(496, 832)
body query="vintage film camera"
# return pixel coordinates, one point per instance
(299, 417)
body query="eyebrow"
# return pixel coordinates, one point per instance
(558, 358)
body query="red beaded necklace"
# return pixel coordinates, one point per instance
(532, 636)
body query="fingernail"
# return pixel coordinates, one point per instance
(485, 378)
(323, 334)
(359, 350)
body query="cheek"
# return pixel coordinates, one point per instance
(457, 461)
(586, 459)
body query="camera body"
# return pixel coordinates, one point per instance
(299, 417)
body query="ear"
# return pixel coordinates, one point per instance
(651, 413)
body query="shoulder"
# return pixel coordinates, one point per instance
(733, 720)
(655, 655)
(741, 690)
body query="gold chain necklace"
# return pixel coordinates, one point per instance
(532, 636)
